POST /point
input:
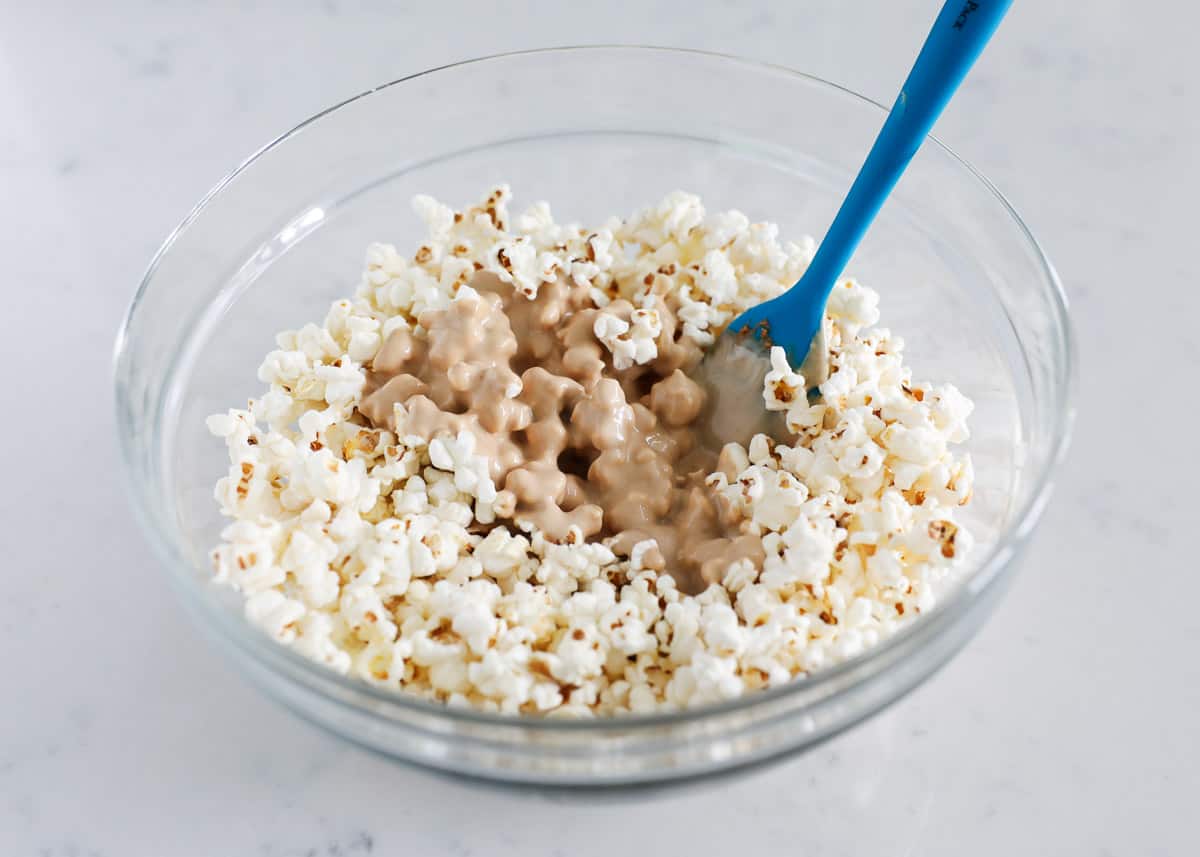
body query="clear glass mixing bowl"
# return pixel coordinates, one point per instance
(596, 131)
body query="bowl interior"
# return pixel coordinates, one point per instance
(958, 277)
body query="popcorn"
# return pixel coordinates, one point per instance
(519, 262)
(275, 613)
(672, 220)
(716, 278)
(439, 219)
(782, 387)
(853, 306)
(457, 455)
(722, 228)
(632, 341)
(343, 382)
(809, 546)
(379, 554)
(948, 411)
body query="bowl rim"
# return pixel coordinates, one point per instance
(986, 573)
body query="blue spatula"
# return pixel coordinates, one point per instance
(794, 319)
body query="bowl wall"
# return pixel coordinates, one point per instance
(595, 132)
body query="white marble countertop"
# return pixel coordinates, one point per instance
(1069, 726)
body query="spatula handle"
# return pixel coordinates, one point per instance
(959, 34)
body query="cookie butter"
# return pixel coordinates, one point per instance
(581, 449)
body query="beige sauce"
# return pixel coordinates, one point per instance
(571, 441)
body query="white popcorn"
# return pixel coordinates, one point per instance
(501, 553)
(457, 455)
(673, 219)
(717, 278)
(706, 679)
(920, 445)
(698, 317)
(630, 342)
(343, 383)
(519, 262)
(380, 555)
(740, 575)
(722, 228)
(247, 557)
(949, 410)
(538, 223)
(780, 498)
(808, 551)
(275, 613)
(283, 368)
(439, 219)
(355, 328)
(637, 556)
(853, 306)
(857, 455)
(782, 388)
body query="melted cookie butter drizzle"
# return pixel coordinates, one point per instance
(580, 448)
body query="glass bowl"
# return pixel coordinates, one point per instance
(595, 131)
